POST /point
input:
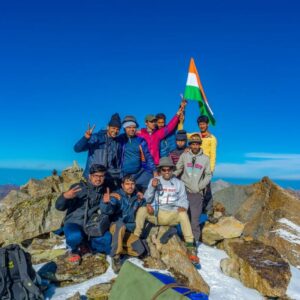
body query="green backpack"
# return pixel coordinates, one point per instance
(134, 283)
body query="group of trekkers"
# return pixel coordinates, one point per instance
(157, 175)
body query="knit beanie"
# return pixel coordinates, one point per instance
(115, 121)
(181, 135)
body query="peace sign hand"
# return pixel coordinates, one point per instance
(71, 193)
(106, 196)
(89, 132)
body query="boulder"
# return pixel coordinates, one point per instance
(75, 297)
(91, 266)
(99, 291)
(226, 228)
(30, 212)
(271, 215)
(174, 255)
(258, 266)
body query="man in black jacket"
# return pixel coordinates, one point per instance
(103, 148)
(80, 201)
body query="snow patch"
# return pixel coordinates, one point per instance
(293, 290)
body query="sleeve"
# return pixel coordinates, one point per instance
(150, 193)
(170, 127)
(84, 144)
(207, 174)
(149, 159)
(213, 154)
(62, 203)
(111, 207)
(179, 165)
(182, 197)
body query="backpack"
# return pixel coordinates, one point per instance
(17, 276)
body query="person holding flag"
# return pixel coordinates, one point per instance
(194, 91)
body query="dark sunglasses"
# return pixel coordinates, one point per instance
(166, 169)
(153, 121)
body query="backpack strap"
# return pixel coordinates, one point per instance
(27, 282)
(166, 287)
(143, 159)
(3, 271)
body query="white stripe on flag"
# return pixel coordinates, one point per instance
(192, 80)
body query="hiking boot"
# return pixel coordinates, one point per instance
(116, 263)
(192, 255)
(84, 250)
(74, 259)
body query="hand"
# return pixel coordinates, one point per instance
(89, 132)
(181, 118)
(182, 107)
(155, 182)
(140, 196)
(116, 195)
(71, 193)
(181, 209)
(106, 196)
(150, 209)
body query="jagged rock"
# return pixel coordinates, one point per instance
(226, 228)
(30, 212)
(99, 291)
(90, 266)
(46, 248)
(271, 215)
(71, 175)
(174, 255)
(154, 263)
(75, 297)
(258, 266)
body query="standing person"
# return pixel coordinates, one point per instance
(136, 158)
(167, 205)
(153, 136)
(103, 148)
(122, 208)
(79, 201)
(181, 139)
(194, 168)
(209, 146)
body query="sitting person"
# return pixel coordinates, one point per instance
(167, 205)
(122, 208)
(79, 200)
(181, 139)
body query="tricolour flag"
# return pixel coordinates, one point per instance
(195, 91)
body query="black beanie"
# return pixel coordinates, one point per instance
(115, 121)
(181, 135)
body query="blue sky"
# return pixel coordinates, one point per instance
(66, 63)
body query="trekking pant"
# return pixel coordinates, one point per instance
(75, 236)
(195, 210)
(208, 199)
(167, 218)
(124, 242)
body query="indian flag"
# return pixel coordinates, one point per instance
(195, 91)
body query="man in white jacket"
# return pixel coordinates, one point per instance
(194, 168)
(167, 205)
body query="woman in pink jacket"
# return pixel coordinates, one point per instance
(153, 136)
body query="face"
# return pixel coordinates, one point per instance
(128, 187)
(180, 144)
(130, 131)
(166, 172)
(195, 147)
(203, 126)
(151, 124)
(160, 123)
(113, 131)
(97, 179)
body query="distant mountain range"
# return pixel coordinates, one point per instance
(6, 188)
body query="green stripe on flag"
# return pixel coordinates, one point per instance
(192, 93)
(206, 112)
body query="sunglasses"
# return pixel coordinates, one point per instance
(166, 169)
(152, 121)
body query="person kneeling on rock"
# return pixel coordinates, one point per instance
(82, 203)
(167, 205)
(122, 207)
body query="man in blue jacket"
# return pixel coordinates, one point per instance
(79, 202)
(103, 148)
(122, 208)
(136, 158)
